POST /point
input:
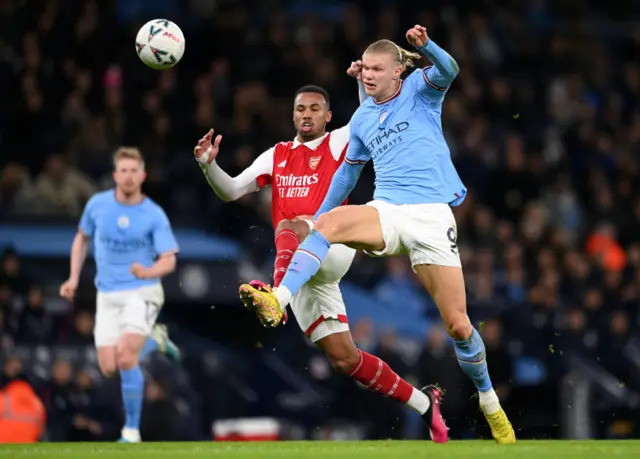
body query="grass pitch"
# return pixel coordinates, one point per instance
(621, 449)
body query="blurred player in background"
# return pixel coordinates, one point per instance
(299, 173)
(134, 247)
(399, 128)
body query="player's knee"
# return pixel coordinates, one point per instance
(127, 358)
(329, 226)
(108, 369)
(299, 227)
(458, 326)
(284, 225)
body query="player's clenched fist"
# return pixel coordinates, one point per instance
(417, 36)
(205, 152)
(355, 69)
(68, 289)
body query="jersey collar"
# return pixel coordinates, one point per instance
(391, 97)
(311, 145)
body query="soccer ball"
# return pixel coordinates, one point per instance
(160, 44)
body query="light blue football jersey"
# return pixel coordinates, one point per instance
(125, 234)
(404, 139)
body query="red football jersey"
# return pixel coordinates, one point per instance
(300, 173)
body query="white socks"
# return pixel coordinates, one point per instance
(489, 401)
(131, 435)
(419, 401)
(283, 295)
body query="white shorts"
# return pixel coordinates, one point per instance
(426, 232)
(318, 305)
(126, 311)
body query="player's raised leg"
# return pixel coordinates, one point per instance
(160, 341)
(355, 226)
(445, 284)
(289, 235)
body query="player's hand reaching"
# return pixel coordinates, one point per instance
(206, 151)
(139, 271)
(355, 70)
(68, 289)
(417, 36)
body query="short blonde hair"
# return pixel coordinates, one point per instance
(405, 58)
(128, 153)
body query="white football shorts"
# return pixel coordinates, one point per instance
(318, 306)
(126, 311)
(426, 232)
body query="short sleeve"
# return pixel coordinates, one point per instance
(420, 82)
(164, 241)
(87, 224)
(357, 152)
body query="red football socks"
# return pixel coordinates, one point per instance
(286, 244)
(377, 376)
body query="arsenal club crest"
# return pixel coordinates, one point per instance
(314, 161)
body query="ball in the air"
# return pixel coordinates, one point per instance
(160, 44)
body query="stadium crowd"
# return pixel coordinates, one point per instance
(543, 123)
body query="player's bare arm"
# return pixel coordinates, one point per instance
(77, 257)
(164, 265)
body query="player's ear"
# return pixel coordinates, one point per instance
(328, 116)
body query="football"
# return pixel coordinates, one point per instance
(160, 44)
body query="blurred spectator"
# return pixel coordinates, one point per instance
(81, 333)
(22, 414)
(437, 364)
(11, 274)
(17, 194)
(399, 289)
(160, 418)
(12, 370)
(58, 401)
(35, 325)
(62, 189)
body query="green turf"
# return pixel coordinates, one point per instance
(329, 450)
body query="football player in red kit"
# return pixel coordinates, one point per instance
(300, 172)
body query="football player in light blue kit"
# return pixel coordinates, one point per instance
(134, 247)
(399, 129)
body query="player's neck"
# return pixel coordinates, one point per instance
(129, 199)
(386, 95)
(303, 141)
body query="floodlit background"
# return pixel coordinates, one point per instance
(544, 127)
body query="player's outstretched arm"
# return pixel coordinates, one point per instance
(444, 69)
(226, 187)
(346, 177)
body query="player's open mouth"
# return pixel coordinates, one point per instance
(370, 86)
(306, 127)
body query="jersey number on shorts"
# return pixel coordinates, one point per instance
(152, 311)
(453, 238)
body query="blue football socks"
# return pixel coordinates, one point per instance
(132, 394)
(306, 261)
(472, 360)
(150, 345)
